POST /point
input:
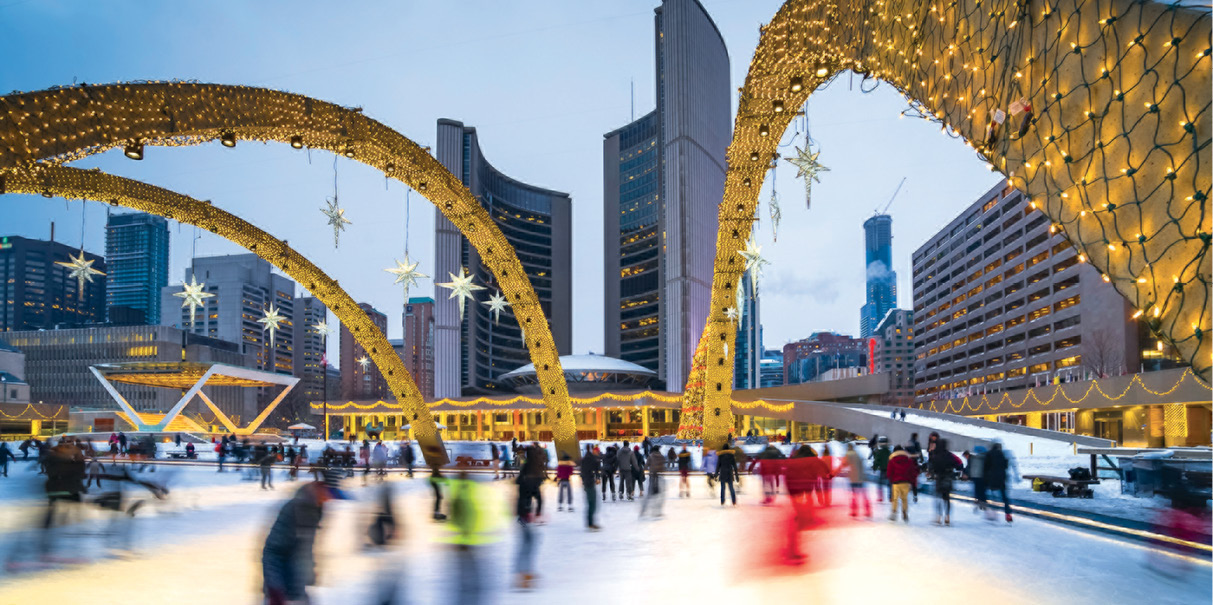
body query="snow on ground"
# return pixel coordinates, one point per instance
(209, 552)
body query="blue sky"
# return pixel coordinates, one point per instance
(540, 80)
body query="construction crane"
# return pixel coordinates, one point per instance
(895, 191)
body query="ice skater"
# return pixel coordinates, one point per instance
(903, 473)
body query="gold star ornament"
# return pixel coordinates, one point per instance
(461, 286)
(807, 167)
(193, 295)
(80, 269)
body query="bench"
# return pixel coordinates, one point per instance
(1064, 487)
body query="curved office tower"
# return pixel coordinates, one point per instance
(881, 279)
(663, 179)
(470, 356)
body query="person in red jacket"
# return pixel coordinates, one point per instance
(903, 474)
(801, 474)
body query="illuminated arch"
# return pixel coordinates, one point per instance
(1121, 96)
(65, 124)
(74, 183)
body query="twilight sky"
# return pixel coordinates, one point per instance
(540, 80)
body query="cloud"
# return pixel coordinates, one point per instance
(822, 290)
(877, 270)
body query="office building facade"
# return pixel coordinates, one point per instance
(893, 354)
(810, 359)
(470, 354)
(35, 293)
(771, 369)
(1002, 301)
(244, 288)
(663, 179)
(748, 344)
(416, 349)
(309, 355)
(879, 278)
(57, 367)
(359, 381)
(136, 258)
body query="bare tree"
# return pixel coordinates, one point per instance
(1100, 354)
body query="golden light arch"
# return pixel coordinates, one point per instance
(74, 183)
(60, 125)
(1115, 149)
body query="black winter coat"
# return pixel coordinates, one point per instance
(726, 465)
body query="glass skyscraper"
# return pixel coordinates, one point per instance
(471, 354)
(879, 274)
(748, 353)
(136, 254)
(663, 179)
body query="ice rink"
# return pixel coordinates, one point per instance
(203, 544)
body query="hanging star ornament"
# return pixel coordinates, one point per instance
(807, 167)
(754, 263)
(80, 269)
(193, 296)
(776, 214)
(336, 218)
(731, 313)
(322, 328)
(271, 322)
(364, 361)
(461, 286)
(406, 274)
(496, 304)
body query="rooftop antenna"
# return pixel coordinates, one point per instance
(895, 191)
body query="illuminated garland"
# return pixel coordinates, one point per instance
(1099, 111)
(653, 395)
(959, 406)
(29, 407)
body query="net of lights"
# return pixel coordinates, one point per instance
(1098, 111)
(44, 129)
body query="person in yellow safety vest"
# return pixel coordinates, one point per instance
(472, 523)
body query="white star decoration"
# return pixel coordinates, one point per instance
(407, 274)
(496, 303)
(322, 328)
(753, 263)
(364, 361)
(193, 296)
(270, 322)
(807, 167)
(731, 313)
(80, 269)
(336, 218)
(461, 286)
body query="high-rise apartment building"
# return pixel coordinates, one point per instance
(894, 354)
(748, 352)
(361, 380)
(37, 294)
(244, 287)
(416, 349)
(136, 257)
(880, 279)
(470, 354)
(663, 179)
(1002, 300)
(309, 354)
(810, 359)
